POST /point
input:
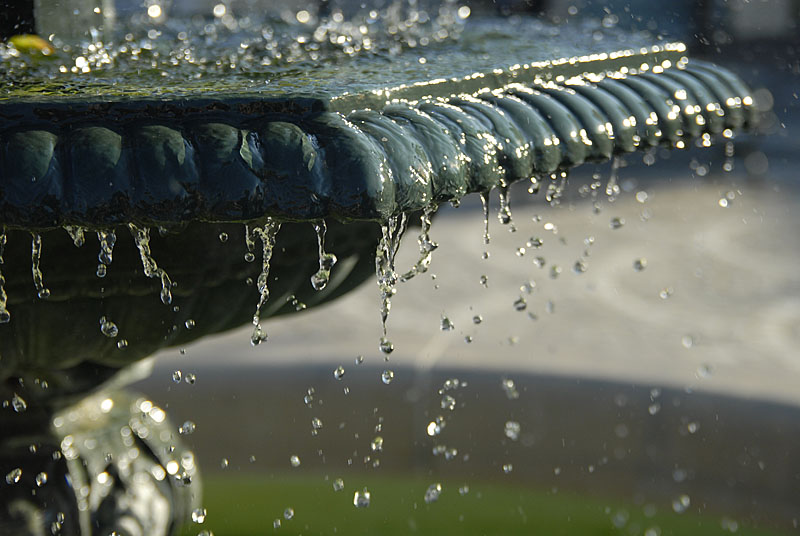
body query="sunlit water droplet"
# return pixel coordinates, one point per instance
(486, 236)
(639, 264)
(18, 403)
(288, 514)
(190, 378)
(681, 503)
(463, 490)
(108, 328)
(484, 279)
(508, 468)
(338, 484)
(294, 459)
(448, 402)
(41, 479)
(338, 372)
(187, 428)
(512, 430)
(177, 376)
(386, 346)
(510, 388)
(433, 492)
(361, 499)
(387, 376)
(199, 515)
(687, 341)
(446, 324)
(520, 304)
(223, 237)
(616, 223)
(14, 476)
(377, 444)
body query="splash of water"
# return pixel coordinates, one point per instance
(141, 237)
(36, 256)
(326, 260)
(426, 245)
(391, 233)
(267, 235)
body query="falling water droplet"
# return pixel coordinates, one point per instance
(108, 328)
(189, 324)
(520, 304)
(41, 479)
(36, 257)
(177, 376)
(187, 428)
(294, 460)
(377, 444)
(288, 514)
(338, 372)
(681, 503)
(433, 492)
(190, 378)
(386, 347)
(14, 476)
(510, 388)
(534, 242)
(687, 341)
(463, 490)
(508, 468)
(448, 402)
(338, 484)
(199, 515)
(276, 524)
(484, 279)
(18, 403)
(639, 264)
(223, 237)
(446, 324)
(326, 260)
(122, 344)
(361, 499)
(512, 430)
(665, 293)
(359, 360)
(387, 376)
(616, 223)
(316, 423)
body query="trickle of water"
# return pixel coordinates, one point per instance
(199, 515)
(326, 260)
(36, 257)
(141, 237)
(108, 328)
(187, 428)
(338, 484)
(387, 376)
(391, 233)
(361, 499)
(77, 234)
(14, 476)
(107, 240)
(267, 234)
(512, 430)
(18, 403)
(426, 245)
(338, 372)
(5, 316)
(446, 324)
(485, 203)
(433, 492)
(294, 459)
(504, 213)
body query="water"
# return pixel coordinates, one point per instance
(141, 237)
(326, 260)
(267, 236)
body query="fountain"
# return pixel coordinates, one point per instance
(286, 151)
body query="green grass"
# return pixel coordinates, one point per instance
(248, 505)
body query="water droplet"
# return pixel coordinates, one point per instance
(294, 460)
(520, 304)
(249, 257)
(276, 524)
(463, 490)
(387, 376)
(102, 270)
(223, 237)
(555, 271)
(639, 264)
(224, 463)
(616, 223)
(316, 423)
(41, 479)
(108, 328)
(187, 428)
(338, 484)
(665, 293)
(448, 403)
(326, 260)
(189, 324)
(18, 403)
(446, 324)
(520, 252)
(288, 514)
(484, 281)
(508, 468)
(693, 427)
(512, 430)
(477, 319)
(434, 428)
(579, 267)
(377, 444)
(534, 242)
(361, 499)
(510, 388)
(386, 346)
(199, 515)
(433, 492)
(177, 376)
(338, 372)
(190, 378)
(687, 341)
(654, 408)
(539, 262)
(681, 503)
(14, 476)
(391, 233)
(359, 360)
